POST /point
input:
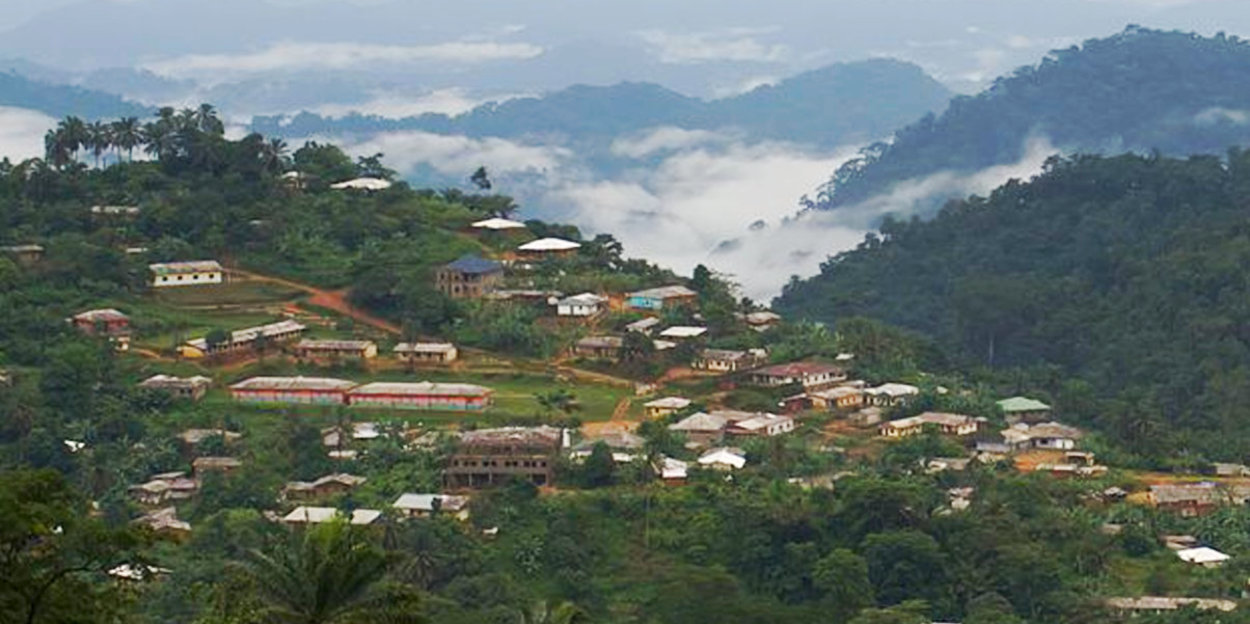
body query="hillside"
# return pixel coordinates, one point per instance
(1127, 273)
(63, 100)
(842, 103)
(1139, 90)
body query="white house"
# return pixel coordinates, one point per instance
(583, 305)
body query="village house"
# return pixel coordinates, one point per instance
(243, 339)
(325, 487)
(165, 522)
(683, 332)
(1190, 500)
(625, 446)
(599, 347)
(660, 408)
(334, 350)
(224, 465)
(545, 248)
(194, 273)
(761, 321)
(425, 505)
(321, 515)
(192, 438)
(948, 424)
(292, 390)
(24, 255)
(424, 395)
(1023, 409)
(165, 487)
(488, 457)
(188, 388)
(469, 277)
(497, 224)
(811, 375)
(585, 305)
(728, 361)
(723, 459)
(662, 298)
(762, 425)
(644, 326)
(890, 394)
(426, 352)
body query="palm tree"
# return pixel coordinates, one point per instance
(333, 575)
(563, 613)
(127, 134)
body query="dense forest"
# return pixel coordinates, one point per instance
(1138, 91)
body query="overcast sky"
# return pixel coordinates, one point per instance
(703, 47)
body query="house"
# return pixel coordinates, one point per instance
(224, 465)
(671, 471)
(1023, 409)
(332, 350)
(25, 255)
(661, 298)
(1203, 556)
(625, 446)
(949, 424)
(194, 437)
(292, 390)
(599, 347)
(488, 457)
(890, 394)
(545, 248)
(425, 505)
(810, 375)
(425, 395)
(497, 225)
(584, 305)
(762, 425)
(682, 332)
(165, 487)
(426, 352)
(194, 273)
(644, 326)
(1161, 604)
(761, 321)
(727, 361)
(243, 339)
(660, 408)
(165, 522)
(362, 184)
(1187, 499)
(189, 388)
(723, 458)
(325, 487)
(469, 277)
(320, 515)
(844, 397)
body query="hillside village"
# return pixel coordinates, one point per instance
(523, 368)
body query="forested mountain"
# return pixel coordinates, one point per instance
(63, 100)
(1140, 90)
(1128, 273)
(832, 106)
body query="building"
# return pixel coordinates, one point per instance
(810, 375)
(1023, 409)
(320, 515)
(761, 321)
(762, 425)
(644, 326)
(660, 408)
(243, 339)
(683, 332)
(165, 487)
(425, 395)
(325, 487)
(583, 305)
(189, 388)
(624, 446)
(105, 322)
(194, 273)
(224, 465)
(1203, 556)
(292, 390)
(331, 350)
(494, 456)
(362, 184)
(426, 352)
(728, 361)
(25, 255)
(425, 505)
(723, 458)
(661, 298)
(469, 277)
(1190, 500)
(599, 347)
(890, 394)
(544, 248)
(949, 424)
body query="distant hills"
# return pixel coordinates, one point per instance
(59, 100)
(1140, 90)
(836, 105)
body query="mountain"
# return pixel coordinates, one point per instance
(852, 102)
(1126, 275)
(1140, 90)
(61, 100)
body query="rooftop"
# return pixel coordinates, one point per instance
(549, 244)
(473, 264)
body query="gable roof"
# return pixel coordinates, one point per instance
(473, 264)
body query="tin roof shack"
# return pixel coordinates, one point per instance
(599, 347)
(425, 505)
(489, 457)
(469, 277)
(249, 339)
(325, 487)
(1023, 409)
(426, 352)
(1190, 500)
(330, 351)
(424, 395)
(188, 388)
(729, 361)
(810, 375)
(292, 390)
(194, 273)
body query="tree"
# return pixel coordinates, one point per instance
(480, 179)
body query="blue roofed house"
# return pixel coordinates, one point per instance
(469, 277)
